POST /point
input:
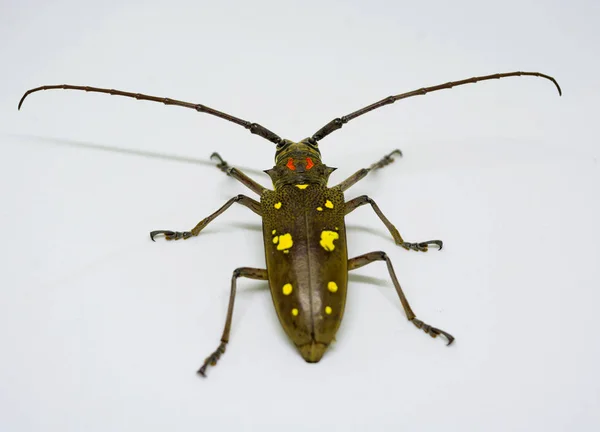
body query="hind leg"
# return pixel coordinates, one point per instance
(248, 272)
(368, 258)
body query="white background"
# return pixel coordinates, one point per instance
(103, 330)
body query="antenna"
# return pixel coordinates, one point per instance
(337, 123)
(254, 128)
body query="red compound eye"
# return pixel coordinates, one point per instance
(290, 164)
(309, 163)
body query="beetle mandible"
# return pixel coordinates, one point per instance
(303, 227)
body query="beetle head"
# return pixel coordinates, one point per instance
(299, 163)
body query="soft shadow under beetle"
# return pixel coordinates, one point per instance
(303, 227)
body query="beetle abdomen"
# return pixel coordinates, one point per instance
(306, 254)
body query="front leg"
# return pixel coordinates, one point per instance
(238, 175)
(362, 173)
(241, 199)
(421, 247)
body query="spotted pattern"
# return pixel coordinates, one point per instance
(332, 286)
(283, 242)
(327, 239)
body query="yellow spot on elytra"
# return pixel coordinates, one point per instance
(302, 186)
(277, 205)
(287, 289)
(319, 208)
(328, 310)
(295, 312)
(332, 286)
(286, 251)
(328, 204)
(327, 239)
(273, 232)
(336, 228)
(283, 242)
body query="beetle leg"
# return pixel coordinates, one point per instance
(362, 173)
(176, 235)
(237, 174)
(368, 258)
(364, 199)
(248, 272)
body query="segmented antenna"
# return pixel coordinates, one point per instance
(337, 123)
(254, 128)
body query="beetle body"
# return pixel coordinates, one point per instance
(306, 254)
(303, 226)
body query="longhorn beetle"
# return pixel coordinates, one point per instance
(303, 226)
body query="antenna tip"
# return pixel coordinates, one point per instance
(548, 77)
(21, 101)
(557, 86)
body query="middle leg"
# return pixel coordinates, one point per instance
(176, 235)
(368, 258)
(364, 199)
